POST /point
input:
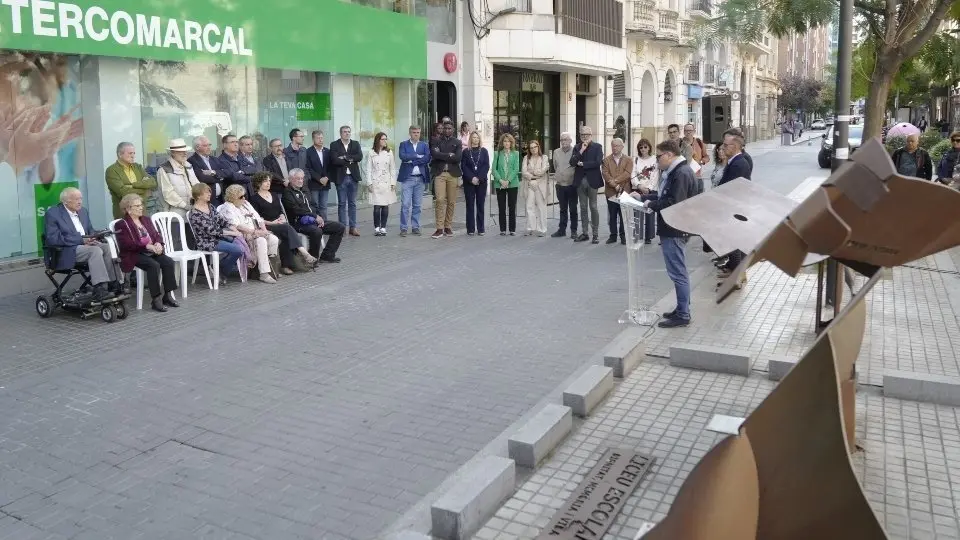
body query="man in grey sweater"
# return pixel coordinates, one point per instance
(566, 191)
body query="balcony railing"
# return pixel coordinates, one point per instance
(522, 6)
(687, 37)
(710, 74)
(643, 18)
(693, 72)
(667, 29)
(700, 8)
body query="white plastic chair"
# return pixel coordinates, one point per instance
(163, 221)
(141, 275)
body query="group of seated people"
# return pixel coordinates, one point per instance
(247, 231)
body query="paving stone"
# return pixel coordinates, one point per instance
(710, 358)
(540, 435)
(585, 393)
(476, 496)
(625, 351)
(925, 387)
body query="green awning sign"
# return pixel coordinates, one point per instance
(246, 32)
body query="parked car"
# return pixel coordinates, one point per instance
(818, 124)
(854, 139)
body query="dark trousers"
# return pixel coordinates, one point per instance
(475, 196)
(380, 215)
(613, 218)
(567, 199)
(332, 229)
(289, 242)
(157, 266)
(507, 202)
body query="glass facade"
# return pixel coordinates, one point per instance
(527, 106)
(41, 144)
(186, 100)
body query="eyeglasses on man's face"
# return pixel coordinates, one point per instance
(955, 141)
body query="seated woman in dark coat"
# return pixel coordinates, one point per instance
(141, 246)
(267, 204)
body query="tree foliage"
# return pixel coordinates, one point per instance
(896, 29)
(800, 93)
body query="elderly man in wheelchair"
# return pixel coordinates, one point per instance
(72, 246)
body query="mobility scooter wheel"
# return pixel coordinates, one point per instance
(44, 307)
(121, 311)
(108, 314)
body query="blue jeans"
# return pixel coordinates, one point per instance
(319, 199)
(232, 253)
(411, 197)
(674, 259)
(347, 201)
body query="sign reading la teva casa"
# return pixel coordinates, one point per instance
(249, 32)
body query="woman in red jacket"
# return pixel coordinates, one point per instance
(141, 246)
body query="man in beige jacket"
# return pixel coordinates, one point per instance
(176, 179)
(617, 169)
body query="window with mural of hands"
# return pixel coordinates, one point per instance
(41, 147)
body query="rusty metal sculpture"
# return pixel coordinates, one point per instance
(773, 480)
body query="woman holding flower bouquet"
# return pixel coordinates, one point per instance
(645, 181)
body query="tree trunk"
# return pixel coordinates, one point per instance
(876, 106)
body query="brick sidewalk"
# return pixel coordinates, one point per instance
(910, 466)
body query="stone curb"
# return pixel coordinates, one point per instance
(709, 358)
(588, 390)
(924, 387)
(626, 351)
(469, 503)
(540, 435)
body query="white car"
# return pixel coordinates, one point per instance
(818, 124)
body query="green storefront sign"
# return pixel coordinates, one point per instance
(312, 35)
(313, 107)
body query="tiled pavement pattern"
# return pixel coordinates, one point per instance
(911, 322)
(322, 407)
(910, 469)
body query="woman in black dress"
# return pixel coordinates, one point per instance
(268, 205)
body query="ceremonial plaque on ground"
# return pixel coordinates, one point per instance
(595, 503)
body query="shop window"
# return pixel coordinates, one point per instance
(49, 154)
(186, 100)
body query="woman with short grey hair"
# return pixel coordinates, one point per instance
(141, 246)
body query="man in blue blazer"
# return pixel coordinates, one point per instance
(586, 160)
(64, 228)
(413, 176)
(318, 161)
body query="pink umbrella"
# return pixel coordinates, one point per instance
(903, 129)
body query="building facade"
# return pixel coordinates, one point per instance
(89, 75)
(806, 55)
(538, 68)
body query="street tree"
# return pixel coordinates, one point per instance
(800, 93)
(898, 28)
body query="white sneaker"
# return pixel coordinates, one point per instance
(383, 231)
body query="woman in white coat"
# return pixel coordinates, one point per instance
(534, 171)
(381, 177)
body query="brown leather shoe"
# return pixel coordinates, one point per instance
(354, 232)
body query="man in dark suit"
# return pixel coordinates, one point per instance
(679, 184)
(318, 159)
(295, 151)
(231, 169)
(345, 157)
(275, 163)
(207, 166)
(739, 165)
(586, 160)
(64, 228)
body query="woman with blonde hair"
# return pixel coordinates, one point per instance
(380, 175)
(264, 245)
(535, 169)
(506, 180)
(475, 164)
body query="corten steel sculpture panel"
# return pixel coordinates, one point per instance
(787, 474)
